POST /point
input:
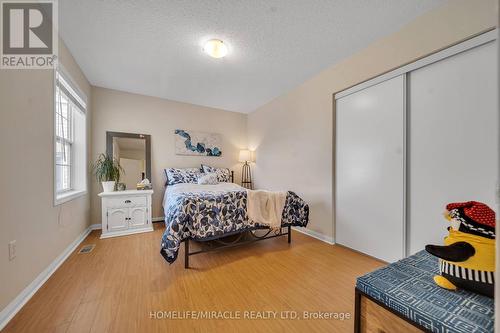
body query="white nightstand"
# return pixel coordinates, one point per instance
(126, 212)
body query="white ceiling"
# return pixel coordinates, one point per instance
(154, 47)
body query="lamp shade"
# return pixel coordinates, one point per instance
(245, 156)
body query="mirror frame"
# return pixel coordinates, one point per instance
(109, 146)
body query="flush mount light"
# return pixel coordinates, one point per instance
(215, 48)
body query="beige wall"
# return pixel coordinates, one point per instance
(293, 134)
(134, 154)
(124, 112)
(27, 212)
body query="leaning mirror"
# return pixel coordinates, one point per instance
(133, 152)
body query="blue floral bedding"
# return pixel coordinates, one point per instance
(205, 212)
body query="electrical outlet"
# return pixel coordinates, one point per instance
(12, 250)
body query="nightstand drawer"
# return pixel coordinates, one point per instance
(132, 201)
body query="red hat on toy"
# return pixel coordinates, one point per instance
(475, 218)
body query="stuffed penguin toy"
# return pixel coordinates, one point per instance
(467, 260)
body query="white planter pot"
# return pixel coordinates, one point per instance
(108, 186)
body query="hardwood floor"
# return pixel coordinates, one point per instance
(116, 288)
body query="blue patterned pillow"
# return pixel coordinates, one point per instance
(223, 174)
(208, 179)
(178, 176)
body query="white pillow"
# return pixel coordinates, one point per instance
(223, 174)
(208, 179)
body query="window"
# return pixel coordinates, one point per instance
(70, 140)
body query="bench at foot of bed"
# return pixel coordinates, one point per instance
(402, 297)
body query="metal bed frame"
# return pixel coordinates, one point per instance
(250, 232)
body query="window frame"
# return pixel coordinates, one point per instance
(77, 100)
(63, 141)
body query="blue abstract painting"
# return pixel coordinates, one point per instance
(197, 143)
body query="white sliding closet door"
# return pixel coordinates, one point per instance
(369, 170)
(453, 139)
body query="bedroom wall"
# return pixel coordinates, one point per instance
(27, 212)
(292, 135)
(125, 112)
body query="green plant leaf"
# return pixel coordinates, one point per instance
(106, 168)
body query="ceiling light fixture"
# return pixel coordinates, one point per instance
(215, 48)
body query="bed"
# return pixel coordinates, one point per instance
(206, 213)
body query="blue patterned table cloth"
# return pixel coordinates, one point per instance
(407, 287)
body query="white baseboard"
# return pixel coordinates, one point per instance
(95, 226)
(158, 219)
(126, 232)
(24, 296)
(314, 234)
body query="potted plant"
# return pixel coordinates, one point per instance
(107, 171)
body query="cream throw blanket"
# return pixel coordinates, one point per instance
(266, 207)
